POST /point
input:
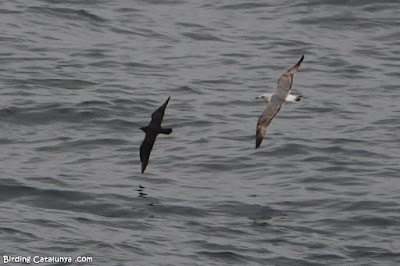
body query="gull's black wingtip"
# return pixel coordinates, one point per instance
(296, 66)
(258, 142)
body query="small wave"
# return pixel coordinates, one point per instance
(69, 13)
(224, 256)
(248, 5)
(82, 144)
(202, 37)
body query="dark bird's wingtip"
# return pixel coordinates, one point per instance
(166, 102)
(301, 60)
(143, 168)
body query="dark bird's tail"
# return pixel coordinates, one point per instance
(166, 131)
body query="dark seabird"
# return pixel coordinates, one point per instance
(276, 100)
(152, 130)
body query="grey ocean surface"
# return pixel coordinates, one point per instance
(79, 78)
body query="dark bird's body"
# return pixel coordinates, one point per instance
(152, 130)
(276, 100)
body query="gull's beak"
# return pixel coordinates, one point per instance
(258, 97)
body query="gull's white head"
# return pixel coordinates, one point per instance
(265, 97)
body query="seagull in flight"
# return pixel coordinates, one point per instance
(276, 100)
(152, 130)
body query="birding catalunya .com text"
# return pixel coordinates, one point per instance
(6, 259)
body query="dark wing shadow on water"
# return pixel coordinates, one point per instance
(79, 202)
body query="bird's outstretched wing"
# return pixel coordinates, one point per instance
(158, 115)
(285, 82)
(265, 119)
(146, 147)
